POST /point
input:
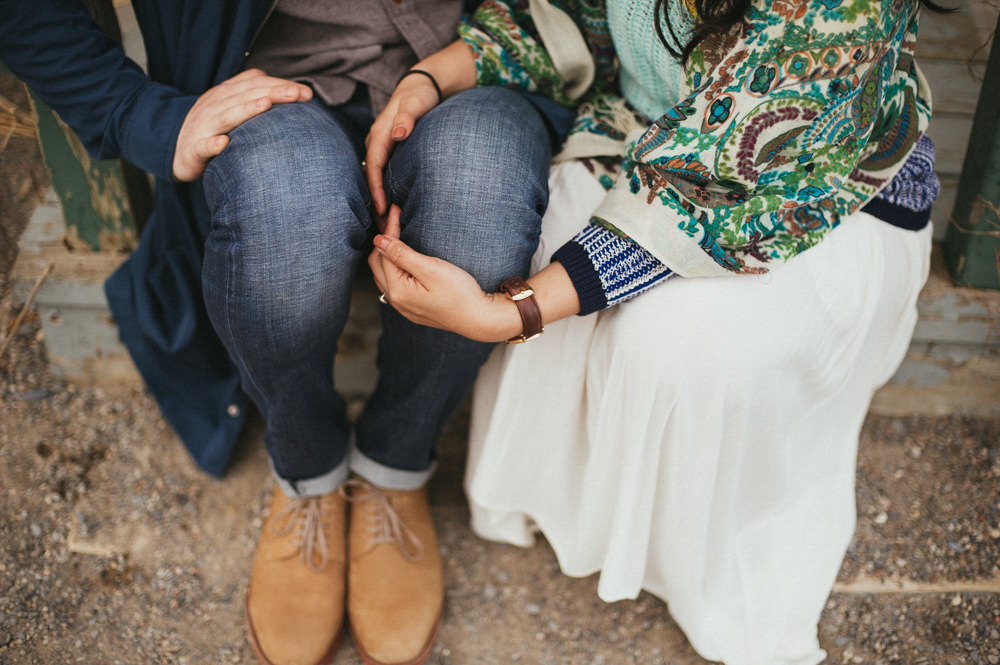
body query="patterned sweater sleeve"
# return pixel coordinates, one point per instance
(607, 269)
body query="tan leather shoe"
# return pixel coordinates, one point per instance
(295, 605)
(395, 585)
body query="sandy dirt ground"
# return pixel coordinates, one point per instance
(116, 549)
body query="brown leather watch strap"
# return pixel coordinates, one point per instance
(523, 296)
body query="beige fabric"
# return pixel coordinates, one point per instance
(566, 47)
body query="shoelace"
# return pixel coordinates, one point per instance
(386, 525)
(302, 519)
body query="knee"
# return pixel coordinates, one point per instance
(256, 147)
(486, 144)
(289, 160)
(493, 133)
(473, 183)
(289, 212)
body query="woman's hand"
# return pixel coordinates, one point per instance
(454, 70)
(435, 293)
(414, 96)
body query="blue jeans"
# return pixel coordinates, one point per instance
(290, 224)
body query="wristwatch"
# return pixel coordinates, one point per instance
(523, 296)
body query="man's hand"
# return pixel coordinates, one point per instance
(222, 109)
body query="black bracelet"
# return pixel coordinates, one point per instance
(428, 75)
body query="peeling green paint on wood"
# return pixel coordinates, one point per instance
(95, 205)
(972, 244)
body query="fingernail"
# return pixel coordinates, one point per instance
(380, 241)
(399, 132)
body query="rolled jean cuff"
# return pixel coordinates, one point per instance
(316, 486)
(386, 477)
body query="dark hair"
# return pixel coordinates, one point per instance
(715, 16)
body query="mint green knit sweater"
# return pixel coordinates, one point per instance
(650, 76)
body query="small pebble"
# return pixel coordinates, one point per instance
(34, 395)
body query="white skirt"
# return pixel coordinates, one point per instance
(699, 441)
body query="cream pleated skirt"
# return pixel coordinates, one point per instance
(699, 441)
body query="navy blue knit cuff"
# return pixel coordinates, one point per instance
(586, 280)
(897, 215)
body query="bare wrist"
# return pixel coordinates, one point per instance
(423, 73)
(506, 321)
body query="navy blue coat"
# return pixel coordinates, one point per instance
(119, 111)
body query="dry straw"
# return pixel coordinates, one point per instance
(14, 124)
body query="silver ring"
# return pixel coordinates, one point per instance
(382, 299)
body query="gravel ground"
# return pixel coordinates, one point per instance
(929, 504)
(117, 550)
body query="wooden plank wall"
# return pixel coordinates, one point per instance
(952, 50)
